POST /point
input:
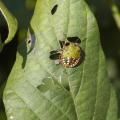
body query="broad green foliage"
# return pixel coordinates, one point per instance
(12, 24)
(2, 116)
(38, 89)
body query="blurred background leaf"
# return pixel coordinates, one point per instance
(8, 28)
(11, 23)
(115, 12)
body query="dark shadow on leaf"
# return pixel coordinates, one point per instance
(49, 84)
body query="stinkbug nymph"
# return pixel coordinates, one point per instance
(69, 55)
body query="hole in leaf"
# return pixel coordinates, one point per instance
(29, 41)
(54, 9)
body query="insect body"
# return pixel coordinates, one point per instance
(69, 54)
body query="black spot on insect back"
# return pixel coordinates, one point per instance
(54, 9)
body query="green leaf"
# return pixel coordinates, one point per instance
(12, 24)
(2, 116)
(112, 114)
(38, 89)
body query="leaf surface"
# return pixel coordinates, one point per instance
(38, 89)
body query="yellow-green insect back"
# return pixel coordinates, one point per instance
(69, 54)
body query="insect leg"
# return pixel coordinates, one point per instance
(54, 51)
(54, 55)
(61, 43)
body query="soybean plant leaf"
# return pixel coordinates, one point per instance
(11, 22)
(2, 116)
(112, 114)
(38, 89)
